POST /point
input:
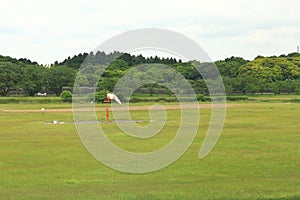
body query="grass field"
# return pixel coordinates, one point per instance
(256, 157)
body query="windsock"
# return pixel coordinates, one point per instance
(111, 96)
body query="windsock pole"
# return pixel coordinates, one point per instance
(106, 101)
(107, 113)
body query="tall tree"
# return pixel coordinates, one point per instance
(33, 79)
(60, 77)
(10, 76)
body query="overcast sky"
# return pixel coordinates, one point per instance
(50, 30)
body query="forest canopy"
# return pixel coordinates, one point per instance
(275, 74)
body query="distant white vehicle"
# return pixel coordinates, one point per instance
(41, 94)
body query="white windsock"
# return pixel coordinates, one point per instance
(114, 97)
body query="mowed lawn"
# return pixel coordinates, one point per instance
(256, 157)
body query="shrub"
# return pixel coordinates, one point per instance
(66, 96)
(237, 98)
(100, 96)
(200, 97)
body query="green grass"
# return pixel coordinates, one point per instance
(256, 157)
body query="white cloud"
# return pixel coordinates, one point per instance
(46, 30)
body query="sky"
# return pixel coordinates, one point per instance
(51, 30)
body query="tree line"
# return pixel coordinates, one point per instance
(275, 74)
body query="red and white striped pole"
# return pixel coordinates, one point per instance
(107, 101)
(107, 113)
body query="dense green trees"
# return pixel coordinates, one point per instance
(60, 77)
(262, 75)
(33, 79)
(271, 74)
(10, 76)
(29, 78)
(229, 67)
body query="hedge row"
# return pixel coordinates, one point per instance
(203, 98)
(295, 100)
(237, 98)
(200, 97)
(159, 99)
(68, 98)
(30, 100)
